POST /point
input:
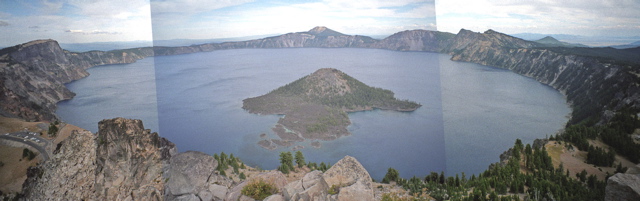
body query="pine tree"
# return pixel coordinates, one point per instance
(300, 159)
(286, 159)
(392, 175)
(323, 167)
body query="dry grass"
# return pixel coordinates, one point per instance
(9, 125)
(555, 150)
(574, 161)
(65, 132)
(14, 171)
(297, 174)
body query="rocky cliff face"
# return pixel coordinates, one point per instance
(122, 162)
(192, 176)
(32, 77)
(592, 85)
(33, 74)
(69, 174)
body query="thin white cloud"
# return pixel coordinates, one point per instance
(52, 6)
(108, 8)
(586, 17)
(100, 20)
(92, 32)
(44, 6)
(121, 19)
(191, 6)
(371, 4)
(3, 24)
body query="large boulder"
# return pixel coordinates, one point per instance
(346, 173)
(623, 187)
(347, 178)
(311, 187)
(189, 173)
(356, 192)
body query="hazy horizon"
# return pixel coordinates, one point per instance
(592, 41)
(70, 21)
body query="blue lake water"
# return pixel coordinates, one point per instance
(470, 114)
(113, 91)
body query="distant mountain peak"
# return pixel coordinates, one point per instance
(318, 29)
(39, 41)
(553, 42)
(548, 39)
(491, 31)
(324, 31)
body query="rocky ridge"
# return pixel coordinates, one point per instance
(592, 85)
(33, 74)
(124, 161)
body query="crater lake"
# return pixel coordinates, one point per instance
(470, 114)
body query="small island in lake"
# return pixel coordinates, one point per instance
(315, 107)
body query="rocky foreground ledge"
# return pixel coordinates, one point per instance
(124, 161)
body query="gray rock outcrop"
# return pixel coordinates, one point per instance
(347, 171)
(623, 186)
(350, 176)
(347, 180)
(69, 174)
(192, 175)
(122, 162)
(311, 187)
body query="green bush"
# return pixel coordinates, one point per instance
(53, 129)
(334, 190)
(30, 155)
(392, 175)
(259, 189)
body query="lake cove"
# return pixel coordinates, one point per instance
(469, 115)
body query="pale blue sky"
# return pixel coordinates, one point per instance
(617, 18)
(77, 21)
(246, 17)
